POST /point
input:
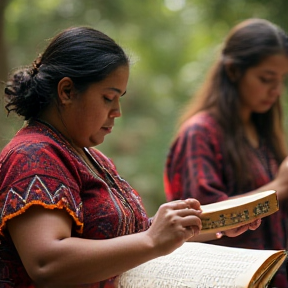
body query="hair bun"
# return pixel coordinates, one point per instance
(36, 65)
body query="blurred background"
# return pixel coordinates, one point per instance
(171, 44)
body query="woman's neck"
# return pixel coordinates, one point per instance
(52, 117)
(251, 133)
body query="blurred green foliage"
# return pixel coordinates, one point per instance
(171, 44)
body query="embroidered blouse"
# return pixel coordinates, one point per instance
(38, 167)
(196, 167)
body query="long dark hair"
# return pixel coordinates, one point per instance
(83, 54)
(247, 44)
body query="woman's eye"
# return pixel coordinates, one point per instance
(265, 80)
(107, 99)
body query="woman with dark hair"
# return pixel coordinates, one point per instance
(67, 218)
(231, 140)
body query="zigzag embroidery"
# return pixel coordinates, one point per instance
(37, 182)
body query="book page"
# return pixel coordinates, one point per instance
(230, 203)
(197, 265)
(272, 265)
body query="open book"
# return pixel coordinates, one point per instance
(202, 265)
(235, 212)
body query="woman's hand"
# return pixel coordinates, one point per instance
(174, 223)
(237, 231)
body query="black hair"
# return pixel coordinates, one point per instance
(83, 54)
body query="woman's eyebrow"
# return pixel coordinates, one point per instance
(117, 90)
(270, 72)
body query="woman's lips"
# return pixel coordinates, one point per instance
(107, 129)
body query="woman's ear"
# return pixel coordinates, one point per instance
(65, 90)
(232, 72)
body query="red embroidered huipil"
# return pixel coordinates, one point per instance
(39, 167)
(196, 167)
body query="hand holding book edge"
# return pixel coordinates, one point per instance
(239, 230)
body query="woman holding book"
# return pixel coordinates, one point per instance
(67, 217)
(231, 140)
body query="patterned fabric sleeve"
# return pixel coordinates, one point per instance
(194, 166)
(35, 174)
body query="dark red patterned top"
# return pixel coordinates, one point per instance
(38, 167)
(196, 167)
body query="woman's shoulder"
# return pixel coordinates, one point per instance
(36, 143)
(31, 139)
(201, 121)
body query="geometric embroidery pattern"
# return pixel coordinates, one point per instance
(38, 193)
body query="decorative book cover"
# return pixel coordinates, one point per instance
(236, 212)
(202, 265)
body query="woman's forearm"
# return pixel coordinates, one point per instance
(280, 188)
(82, 261)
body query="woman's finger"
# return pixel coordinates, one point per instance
(191, 220)
(255, 224)
(237, 231)
(176, 205)
(193, 203)
(187, 212)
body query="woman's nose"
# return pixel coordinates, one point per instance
(276, 90)
(116, 111)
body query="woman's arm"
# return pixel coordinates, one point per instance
(280, 183)
(52, 257)
(194, 166)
